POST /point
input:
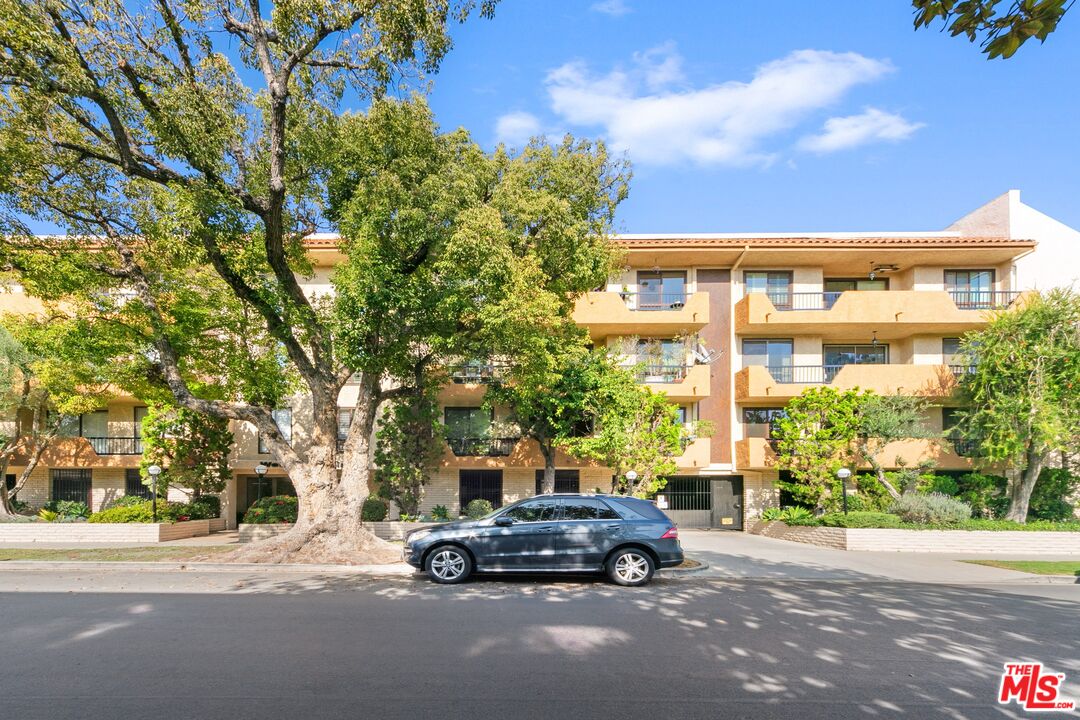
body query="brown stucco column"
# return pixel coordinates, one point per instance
(717, 337)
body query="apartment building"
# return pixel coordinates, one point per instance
(729, 326)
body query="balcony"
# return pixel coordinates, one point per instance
(116, 445)
(757, 383)
(759, 454)
(614, 313)
(476, 374)
(892, 314)
(482, 447)
(678, 382)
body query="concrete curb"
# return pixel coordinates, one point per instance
(395, 569)
(683, 572)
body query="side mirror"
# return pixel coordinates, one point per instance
(504, 521)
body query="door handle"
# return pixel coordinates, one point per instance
(616, 526)
(544, 529)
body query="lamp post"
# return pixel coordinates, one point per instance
(154, 471)
(631, 476)
(260, 470)
(844, 474)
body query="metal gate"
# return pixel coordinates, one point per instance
(699, 501)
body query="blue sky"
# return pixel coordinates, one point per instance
(780, 116)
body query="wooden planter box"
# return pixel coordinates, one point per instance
(84, 533)
(944, 541)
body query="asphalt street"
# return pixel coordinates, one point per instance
(105, 644)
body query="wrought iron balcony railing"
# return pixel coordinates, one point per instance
(983, 299)
(116, 445)
(808, 374)
(959, 370)
(482, 447)
(966, 447)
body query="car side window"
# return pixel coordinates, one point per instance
(607, 513)
(532, 511)
(580, 509)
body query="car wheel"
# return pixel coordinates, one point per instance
(630, 567)
(448, 564)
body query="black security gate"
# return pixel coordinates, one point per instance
(133, 484)
(480, 484)
(73, 485)
(703, 501)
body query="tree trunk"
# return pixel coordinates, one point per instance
(1020, 488)
(7, 511)
(328, 526)
(548, 485)
(879, 471)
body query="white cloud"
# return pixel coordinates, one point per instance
(615, 8)
(639, 110)
(516, 128)
(842, 133)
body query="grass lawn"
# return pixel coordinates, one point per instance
(1038, 567)
(131, 554)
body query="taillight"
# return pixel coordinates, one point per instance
(671, 534)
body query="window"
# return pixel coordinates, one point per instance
(283, 420)
(971, 289)
(95, 424)
(837, 356)
(758, 422)
(950, 351)
(950, 418)
(133, 484)
(661, 290)
(533, 511)
(566, 481)
(777, 355)
(480, 484)
(9, 480)
(775, 284)
(74, 485)
(139, 416)
(587, 509)
(467, 422)
(834, 287)
(344, 422)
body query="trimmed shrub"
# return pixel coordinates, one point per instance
(127, 501)
(984, 493)
(143, 512)
(1050, 498)
(930, 508)
(67, 508)
(272, 510)
(861, 519)
(206, 507)
(373, 510)
(942, 484)
(478, 508)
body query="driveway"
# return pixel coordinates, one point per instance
(733, 554)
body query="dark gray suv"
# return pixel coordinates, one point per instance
(625, 537)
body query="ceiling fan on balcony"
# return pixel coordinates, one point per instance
(881, 268)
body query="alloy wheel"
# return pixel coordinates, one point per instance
(447, 564)
(631, 567)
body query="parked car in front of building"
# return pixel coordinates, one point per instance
(626, 538)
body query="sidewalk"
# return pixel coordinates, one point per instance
(733, 554)
(225, 537)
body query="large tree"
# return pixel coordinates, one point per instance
(189, 148)
(999, 27)
(1023, 396)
